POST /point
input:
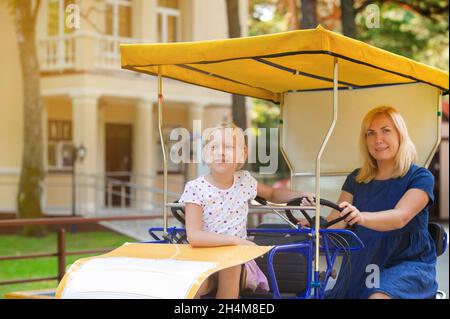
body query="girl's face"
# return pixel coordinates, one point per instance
(382, 138)
(225, 151)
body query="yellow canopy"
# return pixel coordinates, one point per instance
(265, 66)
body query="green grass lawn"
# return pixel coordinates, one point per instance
(11, 245)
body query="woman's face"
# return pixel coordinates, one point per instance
(224, 151)
(382, 139)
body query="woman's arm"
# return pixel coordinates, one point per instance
(411, 203)
(276, 195)
(197, 237)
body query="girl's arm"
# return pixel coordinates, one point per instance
(412, 203)
(276, 195)
(197, 237)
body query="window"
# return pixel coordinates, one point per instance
(172, 4)
(56, 17)
(59, 150)
(168, 21)
(118, 18)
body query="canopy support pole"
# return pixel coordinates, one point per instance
(316, 283)
(438, 132)
(163, 147)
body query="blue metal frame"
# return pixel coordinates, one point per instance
(303, 248)
(314, 289)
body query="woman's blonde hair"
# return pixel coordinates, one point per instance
(406, 154)
(237, 131)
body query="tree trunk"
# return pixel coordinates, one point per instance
(239, 112)
(32, 170)
(348, 18)
(292, 11)
(309, 18)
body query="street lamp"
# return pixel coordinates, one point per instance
(78, 153)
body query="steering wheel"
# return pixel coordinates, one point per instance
(311, 220)
(178, 212)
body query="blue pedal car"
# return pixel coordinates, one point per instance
(289, 264)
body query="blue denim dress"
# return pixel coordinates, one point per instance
(399, 263)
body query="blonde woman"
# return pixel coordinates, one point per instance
(388, 200)
(216, 207)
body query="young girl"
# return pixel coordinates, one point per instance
(216, 206)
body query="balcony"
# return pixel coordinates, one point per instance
(108, 51)
(57, 53)
(80, 52)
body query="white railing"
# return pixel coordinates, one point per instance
(57, 53)
(109, 191)
(108, 51)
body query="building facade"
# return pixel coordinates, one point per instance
(90, 102)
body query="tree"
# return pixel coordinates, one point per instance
(348, 14)
(32, 169)
(291, 13)
(272, 16)
(433, 9)
(239, 111)
(329, 14)
(415, 29)
(309, 18)
(266, 115)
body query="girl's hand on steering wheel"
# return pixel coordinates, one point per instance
(354, 217)
(303, 222)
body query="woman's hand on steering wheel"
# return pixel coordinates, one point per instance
(354, 215)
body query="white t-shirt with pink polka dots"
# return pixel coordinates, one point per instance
(224, 210)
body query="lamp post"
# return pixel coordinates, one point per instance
(78, 153)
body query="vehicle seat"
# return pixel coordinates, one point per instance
(439, 236)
